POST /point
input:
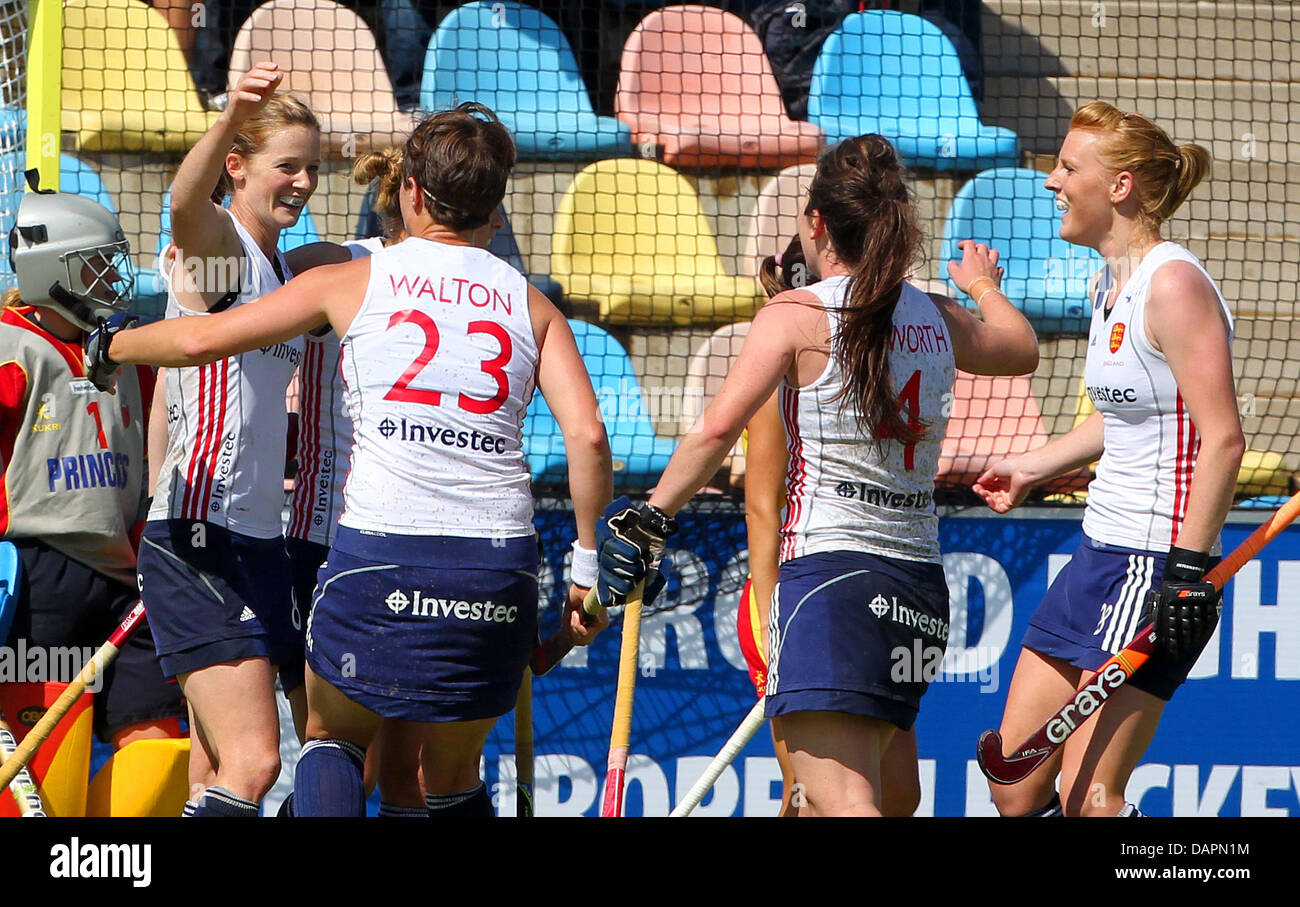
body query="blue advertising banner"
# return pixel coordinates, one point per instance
(1227, 744)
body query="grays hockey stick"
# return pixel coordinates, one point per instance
(1010, 768)
(743, 734)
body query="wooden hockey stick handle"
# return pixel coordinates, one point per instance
(621, 732)
(524, 748)
(54, 714)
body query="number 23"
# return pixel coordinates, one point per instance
(403, 392)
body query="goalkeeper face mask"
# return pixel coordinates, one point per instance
(70, 255)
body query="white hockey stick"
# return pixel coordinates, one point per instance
(753, 721)
(23, 786)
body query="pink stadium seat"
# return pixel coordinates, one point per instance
(992, 418)
(331, 62)
(695, 81)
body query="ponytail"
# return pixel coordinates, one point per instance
(860, 193)
(386, 167)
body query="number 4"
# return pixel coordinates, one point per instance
(909, 399)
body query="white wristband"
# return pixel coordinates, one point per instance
(583, 567)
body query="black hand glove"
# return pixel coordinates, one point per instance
(631, 541)
(1185, 609)
(100, 367)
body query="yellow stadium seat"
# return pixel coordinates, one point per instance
(125, 83)
(631, 237)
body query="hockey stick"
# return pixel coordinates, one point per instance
(54, 714)
(1114, 673)
(524, 748)
(621, 733)
(23, 786)
(743, 734)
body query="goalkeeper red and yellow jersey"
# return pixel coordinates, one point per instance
(71, 456)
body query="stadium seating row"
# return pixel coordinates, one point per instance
(631, 238)
(989, 418)
(695, 88)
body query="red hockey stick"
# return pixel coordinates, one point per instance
(1114, 673)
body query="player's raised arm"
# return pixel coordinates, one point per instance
(1001, 341)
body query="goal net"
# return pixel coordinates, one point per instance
(13, 118)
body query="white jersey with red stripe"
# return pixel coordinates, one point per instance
(1139, 496)
(324, 431)
(226, 423)
(845, 489)
(439, 365)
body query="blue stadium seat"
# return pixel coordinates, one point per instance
(1264, 502)
(898, 75)
(639, 454)
(517, 61)
(151, 294)
(1046, 277)
(75, 175)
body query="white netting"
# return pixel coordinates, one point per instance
(13, 117)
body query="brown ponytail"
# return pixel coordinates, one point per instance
(386, 167)
(790, 274)
(861, 196)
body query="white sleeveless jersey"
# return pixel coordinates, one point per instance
(439, 365)
(1139, 496)
(324, 432)
(845, 490)
(226, 423)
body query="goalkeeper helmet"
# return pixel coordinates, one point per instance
(70, 255)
